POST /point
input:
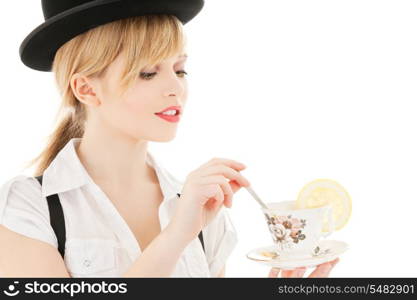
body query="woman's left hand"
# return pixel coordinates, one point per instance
(321, 270)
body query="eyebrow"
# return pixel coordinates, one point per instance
(184, 55)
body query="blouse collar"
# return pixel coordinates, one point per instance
(66, 172)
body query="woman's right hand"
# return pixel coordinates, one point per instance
(322, 270)
(204, 192)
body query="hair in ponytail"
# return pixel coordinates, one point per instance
(144, 40)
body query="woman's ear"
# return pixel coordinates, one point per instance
(84, 89)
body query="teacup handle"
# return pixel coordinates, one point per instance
(329, 213)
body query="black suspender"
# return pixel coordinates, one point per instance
(56, 215)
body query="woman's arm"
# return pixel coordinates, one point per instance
(21, 256)
(160, 257)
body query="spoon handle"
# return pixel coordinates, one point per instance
(254, 195)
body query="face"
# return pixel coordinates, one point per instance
(133, 113)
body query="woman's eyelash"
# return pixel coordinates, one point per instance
(145, 75)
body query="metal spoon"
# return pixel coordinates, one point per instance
(254, 195)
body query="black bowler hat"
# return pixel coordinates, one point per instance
(65, 19)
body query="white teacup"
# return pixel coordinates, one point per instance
(296, 232)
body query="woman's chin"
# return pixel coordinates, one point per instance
(162, 139)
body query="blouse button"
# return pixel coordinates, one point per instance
(87, 263)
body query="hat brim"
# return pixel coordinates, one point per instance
(37, 51)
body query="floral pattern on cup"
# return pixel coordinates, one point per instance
(286, 231)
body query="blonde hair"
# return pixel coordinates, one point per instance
(144, 40)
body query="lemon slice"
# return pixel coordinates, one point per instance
(321, 192)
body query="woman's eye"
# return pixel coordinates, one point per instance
(183, 73)
(148, 76)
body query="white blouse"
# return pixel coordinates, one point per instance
(99, 243)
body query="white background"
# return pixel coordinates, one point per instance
(296, 90)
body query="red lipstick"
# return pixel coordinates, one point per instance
(170, 118)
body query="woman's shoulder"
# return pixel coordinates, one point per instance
(24, 185)
(21, 194)
(21, 178)
(24, 210)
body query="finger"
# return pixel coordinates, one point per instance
(301, 271)
(226, 189)
(216, 197)
(235, 186)
(229, 162)
(321, 270)
(274, 272)
(292, 273)
(227, 172)
(214, 202)
(286, 273)
(220, 199)
(224, 186)
(334, 261)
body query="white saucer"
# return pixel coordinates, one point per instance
(328, 250)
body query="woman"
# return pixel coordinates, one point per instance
(112, 209)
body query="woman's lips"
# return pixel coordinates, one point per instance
(173, 119)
